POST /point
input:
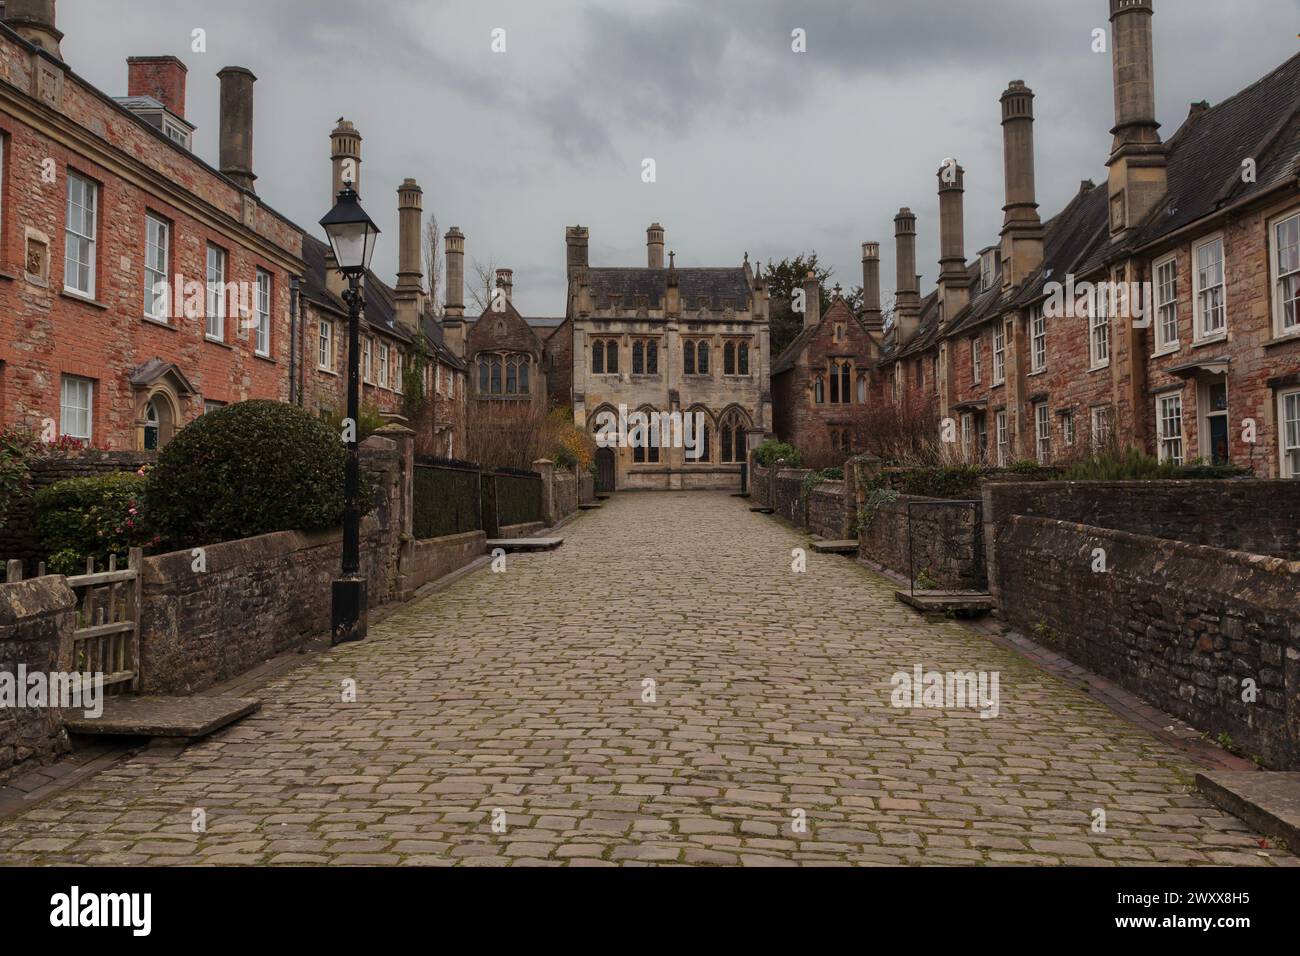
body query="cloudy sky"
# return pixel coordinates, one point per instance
(757, 148)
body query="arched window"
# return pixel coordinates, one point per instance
(611, 357)
(729, 359)
(512, 375)
(862, 389)
(524, 363)
(702, 359)
(731, 431)
(846, 395)
(742, 358)
(151, 427)
(483, 375)
(819, 391)
(647, 441)
(688, 358)
(638, 357)
(835, 384)
(652, 357)
(598, 357)
(495, 387)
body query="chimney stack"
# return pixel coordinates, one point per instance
(954, 285)
(654, 244)
(162, 77)
(236, 141)
(575, 240)
(871, 316)
(34, 20)
(410, 285)
(1138, 160)
(345, 154)
(506, 282)
(453, 315)
(1022, 230)
(812, 300)
(907, 296)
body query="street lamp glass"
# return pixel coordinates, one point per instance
(351, 233)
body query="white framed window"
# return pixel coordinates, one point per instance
(451, 384)
(967, 431)
(1043, 433)
(999, 353)
(975, 369)
(1169, 428)
(1100, 426)
(988, 268)
(79, 235)
(1286, 275)
(1067, 427)
(1288, 416)
(1099, 328)
(215, 325)
(1166, 296)
(1000, 435)
(437, 377)
(382, 362)
(367, 372)
(157, 249)
(325, 346)
(77, 407)
(262, 314)
(1209, 296)
(1037, 340)
(397, 371)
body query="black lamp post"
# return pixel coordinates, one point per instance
(352, 236)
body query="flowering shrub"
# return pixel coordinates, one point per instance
(16, 449)
(79, 518)
(574, 448)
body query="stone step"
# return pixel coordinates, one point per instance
(835, 547)
(1267, 800)
(160, 716)
(759, 509)
(964, 602)
(589, 506)
(525, 544)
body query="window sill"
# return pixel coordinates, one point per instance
(1099, 368)
(261, 357)
(326, 371)
(1292, 337)
(79, 297)
(211, 341)
(1217, 339)
(1167, 350)
(1041, 371)
(158, 323)
(8, 276)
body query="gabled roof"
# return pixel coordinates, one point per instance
(155, 369)
(838, 310)
(380, 304)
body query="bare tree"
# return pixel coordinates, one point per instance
(485, 280)
(433, 264)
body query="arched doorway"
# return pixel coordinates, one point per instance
(604, 470)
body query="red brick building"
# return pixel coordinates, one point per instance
(138, 285)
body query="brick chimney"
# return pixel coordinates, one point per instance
(345, 154)
(453, 317)
(506, 282)
(409, 294)
(1138, 160)
(575, 241)
(954, 285)
(654, 246)
(907, 295)
(236, 138)
(34, 20)
(1022, 229)
(162, 77)
(871, 316)
(812, 301)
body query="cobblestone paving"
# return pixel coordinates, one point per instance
(522, 691)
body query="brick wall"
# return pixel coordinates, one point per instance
(1180, 625)
(33, 617)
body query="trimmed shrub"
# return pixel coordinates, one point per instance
(80, 518)
(247, 469)
(1130, 464)
(771, 451)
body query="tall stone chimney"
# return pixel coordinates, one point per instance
(575, 241)
(410, 286)
(1138, 160)
(954, 285)
(654, 246)
(1022, 229)
(871, 316)
(345, 154)
(162, 77)
(506, 282)
(453, 313)
(907, 295)
(812, 301)
(236, 138)
(34, 20)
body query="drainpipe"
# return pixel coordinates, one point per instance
(295, 394)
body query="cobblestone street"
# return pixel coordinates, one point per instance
(522, 692)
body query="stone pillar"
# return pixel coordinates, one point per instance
(871, 316)
(954, 286)
(812, 301)
(34, 21)
(453, 317)
(654, 244)
(37, 618)
(1139, 160)
(345, 155)
(236, 135)
(546, 468)
(410, 285)
(575, 241)
(907, 298)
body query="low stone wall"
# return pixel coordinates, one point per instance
(1181, 625)
(433, 558)
(34, 616)
(760, 485)
(1260, 517)
(586, 488)
(565, 489)
(789, 499)
(523, 530)
(947, 550)
(18, 537)
(830, 511)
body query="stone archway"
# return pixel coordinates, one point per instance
(159, 390)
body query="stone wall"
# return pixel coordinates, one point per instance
(433, 558)
(18, 537)
(789, 501)
(1181, 625)
(1261, 517)
(565, 490)
(946, 542)
(830, 511)
(33, 617)
(760, 484)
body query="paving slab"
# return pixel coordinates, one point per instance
(1267, 800)
(161, 716)
(835, 547)
(525, 544)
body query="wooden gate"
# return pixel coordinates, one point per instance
(604, 470)
(106, 639)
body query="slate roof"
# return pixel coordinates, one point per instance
(692, 284)
(790, 354)
(380, 305)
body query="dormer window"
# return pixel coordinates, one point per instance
(988, 269)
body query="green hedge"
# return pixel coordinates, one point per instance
(247, 469)
(103, 515)
(771, 451)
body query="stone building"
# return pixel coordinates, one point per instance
(1162, 312)
(139, 286)
(667, 340)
